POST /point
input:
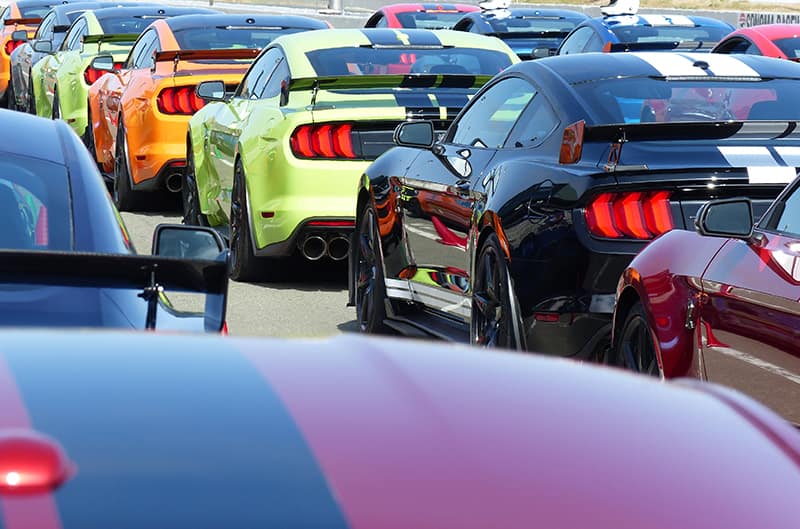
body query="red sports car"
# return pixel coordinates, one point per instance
(105, 430)
(771, 40)
(423, 16)
(720, 304)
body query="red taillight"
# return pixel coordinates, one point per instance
(90, 75)
(329, 140)
(572, 143)
(332, 223)
(179, 100)
(12, 45)
(635, 215)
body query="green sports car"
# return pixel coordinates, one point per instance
(278, 161)
(61, 80)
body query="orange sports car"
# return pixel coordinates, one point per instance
(139, 114)
(24, 15)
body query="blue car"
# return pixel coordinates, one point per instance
(531, 33)
(645, 32)
(66, 259)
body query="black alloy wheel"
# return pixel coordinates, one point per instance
(496, 320)
(125, 197)
(369, 282)
(635, 348)
(245, 266)
(189, 194)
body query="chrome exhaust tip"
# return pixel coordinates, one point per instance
(338, 247)
(174, 182)
(313, 247)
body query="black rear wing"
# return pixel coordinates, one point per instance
(22, 21)
(710, 130)
(112, 38)
(682, 45)
(423, 80)
(150, 274)
(176, 56)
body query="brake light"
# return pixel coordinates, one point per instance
(12, 45)
(636, 215)
(332, 223)
(90, 75)
(572, 143)
(179, 100)
(330, 140)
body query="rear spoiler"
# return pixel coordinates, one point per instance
(687, 45)
(710, 130)
(175, 56)
(111, 38)
(22, 21)
(424, 80)
(150, 274)
(502, 35)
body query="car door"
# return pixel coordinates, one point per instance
(750, 320)
(225, 127)
(440, 189)
(73, 41)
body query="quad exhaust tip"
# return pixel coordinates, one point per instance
(315, 247)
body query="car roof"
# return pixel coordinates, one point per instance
(27, 135)
(580, 67)
(649, 19)
(221, 19)
(771, 31)
(147, 10)
(374, 432)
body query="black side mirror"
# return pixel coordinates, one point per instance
(187, 242)
(104, 63)
(43, 46)
(732, 217)
(414, 134)
(20, 34)
(211, 91)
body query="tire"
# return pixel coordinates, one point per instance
(88, 136)
(11, 100)
(496, 320)
(124, 196)
(370, 295)
(245, 266)
(31, 97)
(635, 348)
(189, 194)
(56, 111)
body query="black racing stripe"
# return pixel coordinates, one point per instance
(410, 99)
(401, 37)
(451, 100)
(182, 432)
(463, 81)
(413, 81)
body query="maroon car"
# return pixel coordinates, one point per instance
(156, 430)
(781, 41)
(720, 304)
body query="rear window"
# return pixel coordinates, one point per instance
(533, 25)
(403, 60)
(669, 33)
(34, 205)
(429, 20)
(118, 25)
(650, 99)
(790, 47)
(33, 11)
(216, 38)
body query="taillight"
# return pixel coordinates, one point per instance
(179, 100)
(634, 215)
(90, 75)
(329, 140)
(12, 45)
(572, 143)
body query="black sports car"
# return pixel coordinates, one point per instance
(65, 256)
(513, 228)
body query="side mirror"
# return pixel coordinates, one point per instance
(211, 91)
(103, 63)
(414, 134)
(187, 242)
(43, 46)
(732, 217)
(540, 52)
(20, 34)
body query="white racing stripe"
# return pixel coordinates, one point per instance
(664, 20)
(790, 155)
(762, 167)
(682, 64)
(671, 64)
(771, 175)
(721, 64)
(748, 156)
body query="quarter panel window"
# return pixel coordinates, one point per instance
(575, 42)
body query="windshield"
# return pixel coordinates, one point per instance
(533, 25)
(651, 99)
(429, 19)
(629, 34)
(224, 37)
(128, 24)
(403, 60)
(34, 205)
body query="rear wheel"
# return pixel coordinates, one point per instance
(245, 266)
(496, 320)
(125, 197)
(56, 107)
(370, 287)
(31, 98)
(635, 349)
(11, 100)
(189, 194)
